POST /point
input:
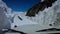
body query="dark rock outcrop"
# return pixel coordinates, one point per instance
(20, 18)
(39, 7)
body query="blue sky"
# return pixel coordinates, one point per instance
(21, 5)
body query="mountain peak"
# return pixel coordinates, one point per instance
(39, 7)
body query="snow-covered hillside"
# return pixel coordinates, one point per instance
(20, 20)
(5, 7)
(46, 17)
(13, 16)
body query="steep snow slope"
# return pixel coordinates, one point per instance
(48, 16)
(6, 9)
(4, 20)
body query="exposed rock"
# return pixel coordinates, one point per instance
(39, 7)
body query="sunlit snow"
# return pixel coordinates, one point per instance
(40, 21)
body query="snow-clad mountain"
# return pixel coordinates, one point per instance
(4, 20)
(46, 18)
(14, 16)
(5, 7)
(49, 16)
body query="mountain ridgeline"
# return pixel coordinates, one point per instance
(39, 7)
